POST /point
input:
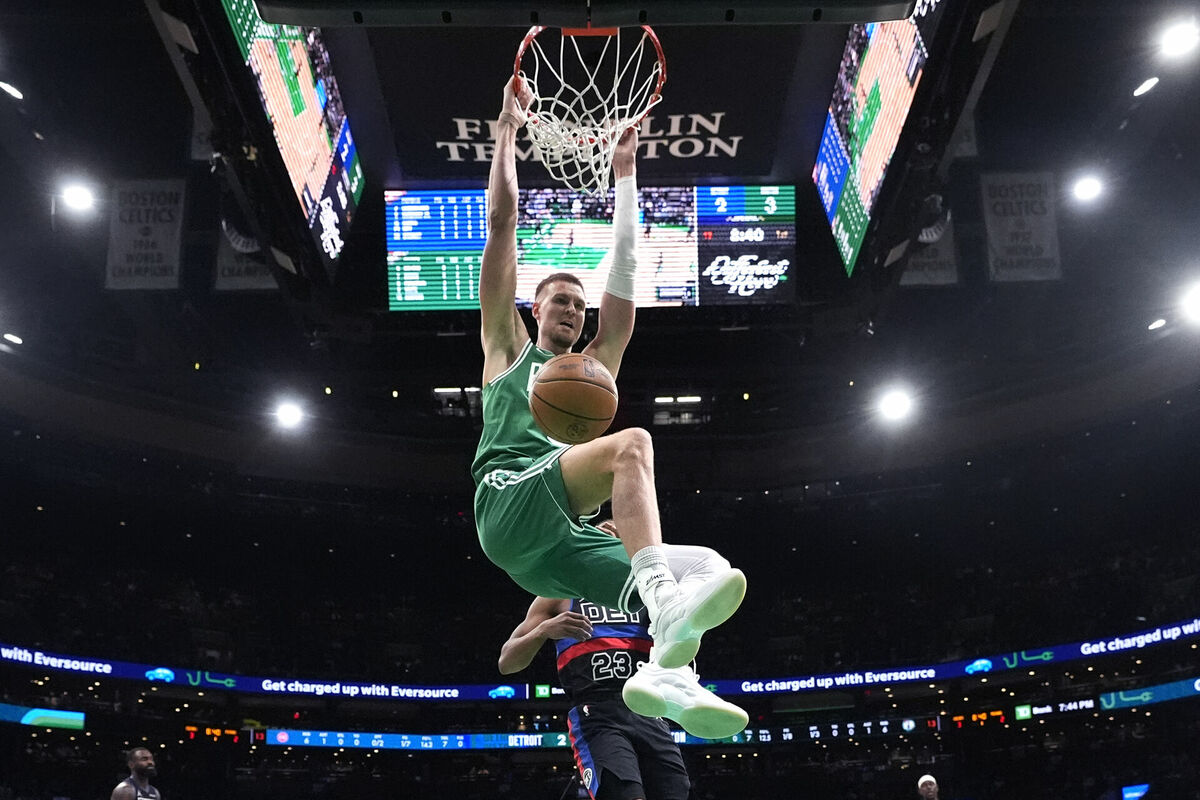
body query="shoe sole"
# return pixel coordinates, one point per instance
(717, 603)
(711, 720)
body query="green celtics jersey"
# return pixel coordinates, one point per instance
(511, 439)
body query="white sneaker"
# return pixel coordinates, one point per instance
(677, 694)
(681, 620)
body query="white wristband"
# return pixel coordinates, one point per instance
(624, 252)
(511, 119)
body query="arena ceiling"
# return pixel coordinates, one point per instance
(990, 361)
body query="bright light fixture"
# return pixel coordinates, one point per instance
(1191, 304)
(12, 90)
(1180, 39)
(1145, 86)
(289, 415)
(664, 399)
(12, 337)
(687, 398)
(78, 197)
(1087, 188)
(1158, 323)
(895, 404)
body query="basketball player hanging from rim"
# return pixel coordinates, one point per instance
(533, 495)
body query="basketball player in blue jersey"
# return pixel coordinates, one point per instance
(602, 655)
(533, 495)
(141, 769)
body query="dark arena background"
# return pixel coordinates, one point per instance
(918, 346)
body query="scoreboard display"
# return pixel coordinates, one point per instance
(698, 246)
(415, 741)
(881, 69)
(747, 241)
(301, 100)
(434, 249)
(816, 732)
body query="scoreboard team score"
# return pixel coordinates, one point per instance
(698, 246)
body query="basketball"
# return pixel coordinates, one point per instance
(574, 398)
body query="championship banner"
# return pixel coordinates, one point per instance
(241, 271)
(1022, 234)
(933, 264)
(144, 234)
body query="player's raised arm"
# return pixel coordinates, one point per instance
(547, 618)
(616, 305)
(502, 330)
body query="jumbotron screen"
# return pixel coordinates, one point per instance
(697, 246)
(880, 71)
(300, 98)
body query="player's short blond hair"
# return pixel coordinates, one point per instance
(553, 278)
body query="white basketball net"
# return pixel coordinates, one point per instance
(585, 97)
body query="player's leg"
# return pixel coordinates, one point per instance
(676, 694)
(692, 564)
(664, 775)
(621, 466)
(527, 528)
(604, 754)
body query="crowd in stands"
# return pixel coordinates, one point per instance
(1076, 760)
(892, 582)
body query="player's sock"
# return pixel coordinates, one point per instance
(654, 580)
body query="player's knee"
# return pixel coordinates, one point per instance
(714, 561)
(635, 447)
(694, 562)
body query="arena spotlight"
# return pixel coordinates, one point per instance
(1180, 39)
(1190, 303)
(11, 90)
(78, 197)
(1145, 86)
(12, 337)
(1158, 323)
(289, 414)
(895, 404)
(1087, 188)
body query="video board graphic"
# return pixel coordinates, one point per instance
(705, 246)
(1186, 630)
(302, 103)
(880, 71)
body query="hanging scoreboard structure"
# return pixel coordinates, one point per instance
(697, 246)
(880, 72)
(302, 103)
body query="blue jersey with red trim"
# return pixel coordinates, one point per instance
(597, 667)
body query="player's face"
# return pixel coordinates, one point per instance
(560, 312)
(928, 790)
(143, 764)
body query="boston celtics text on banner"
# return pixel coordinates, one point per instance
(144, 231)
(1022, 234)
